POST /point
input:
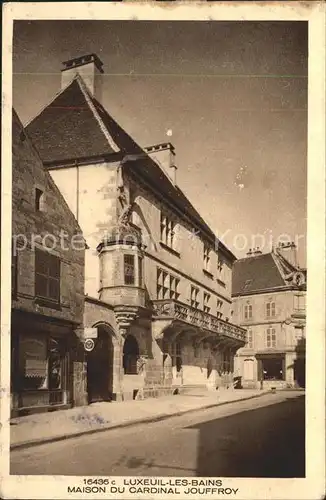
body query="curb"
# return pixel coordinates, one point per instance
(158, 418)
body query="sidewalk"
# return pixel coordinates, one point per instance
(65, 424)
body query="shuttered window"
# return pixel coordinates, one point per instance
(47, 276)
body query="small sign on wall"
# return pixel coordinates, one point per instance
(87, 333)
(89, 345)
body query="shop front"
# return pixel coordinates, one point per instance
(271, 369)
(40, 365)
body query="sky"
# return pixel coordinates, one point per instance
(234, 95)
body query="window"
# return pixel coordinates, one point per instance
(207, 298)
(222, 271)
(174, 283)
(270, 309)
(206, 257)
(167, 285)
(248, 311)
(270, 337)
(299, 302)
(273, 368)
(167, 230)
(39, 200)
(41, 363)
(249, 339)
(194, 300)
(219, 304)
(47, 276)
(298, 332)
(247, 284)
(129, 269)
(140, 272)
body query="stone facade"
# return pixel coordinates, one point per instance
(39, 215)
(158, 285)
(275, 321)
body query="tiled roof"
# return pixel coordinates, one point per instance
(256, 273)
(75, 126)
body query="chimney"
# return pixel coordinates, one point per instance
(289, 252)
(89, 68)
(164, 155)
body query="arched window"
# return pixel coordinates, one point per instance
(39, 200)
(248, 311)
(270, 309)
(130, 355)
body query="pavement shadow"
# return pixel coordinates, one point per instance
(264, 442)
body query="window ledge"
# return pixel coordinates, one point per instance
(208, 274)
(47, 303)
(169, 249)
(220, 282)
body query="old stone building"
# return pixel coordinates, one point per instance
(158, 283)
(269, 292)
(47, 358)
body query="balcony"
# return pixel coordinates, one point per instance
(174, 310)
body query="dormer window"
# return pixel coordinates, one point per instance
(39, 200)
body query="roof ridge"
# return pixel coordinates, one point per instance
(253, 256)
(47, 174)
(97, 117)
(279, 267)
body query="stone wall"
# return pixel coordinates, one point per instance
(186, 262)
(33, 228)
(91, 193)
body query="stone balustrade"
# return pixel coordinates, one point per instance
(175, 310)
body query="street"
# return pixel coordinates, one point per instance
(261, 437)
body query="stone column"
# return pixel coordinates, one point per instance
(117, 366)
(289, 367)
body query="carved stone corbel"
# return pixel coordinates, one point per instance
(125, 316)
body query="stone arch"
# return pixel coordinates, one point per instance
(100, 363)
(130, 355)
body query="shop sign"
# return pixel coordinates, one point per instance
(86, 333)
(89, 345)
(90, 333)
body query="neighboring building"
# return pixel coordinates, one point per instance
(158, 287)
(269, 292)
(47, 358)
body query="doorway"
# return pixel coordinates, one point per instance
(130, 356)
(300, 372)
(100, 368)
